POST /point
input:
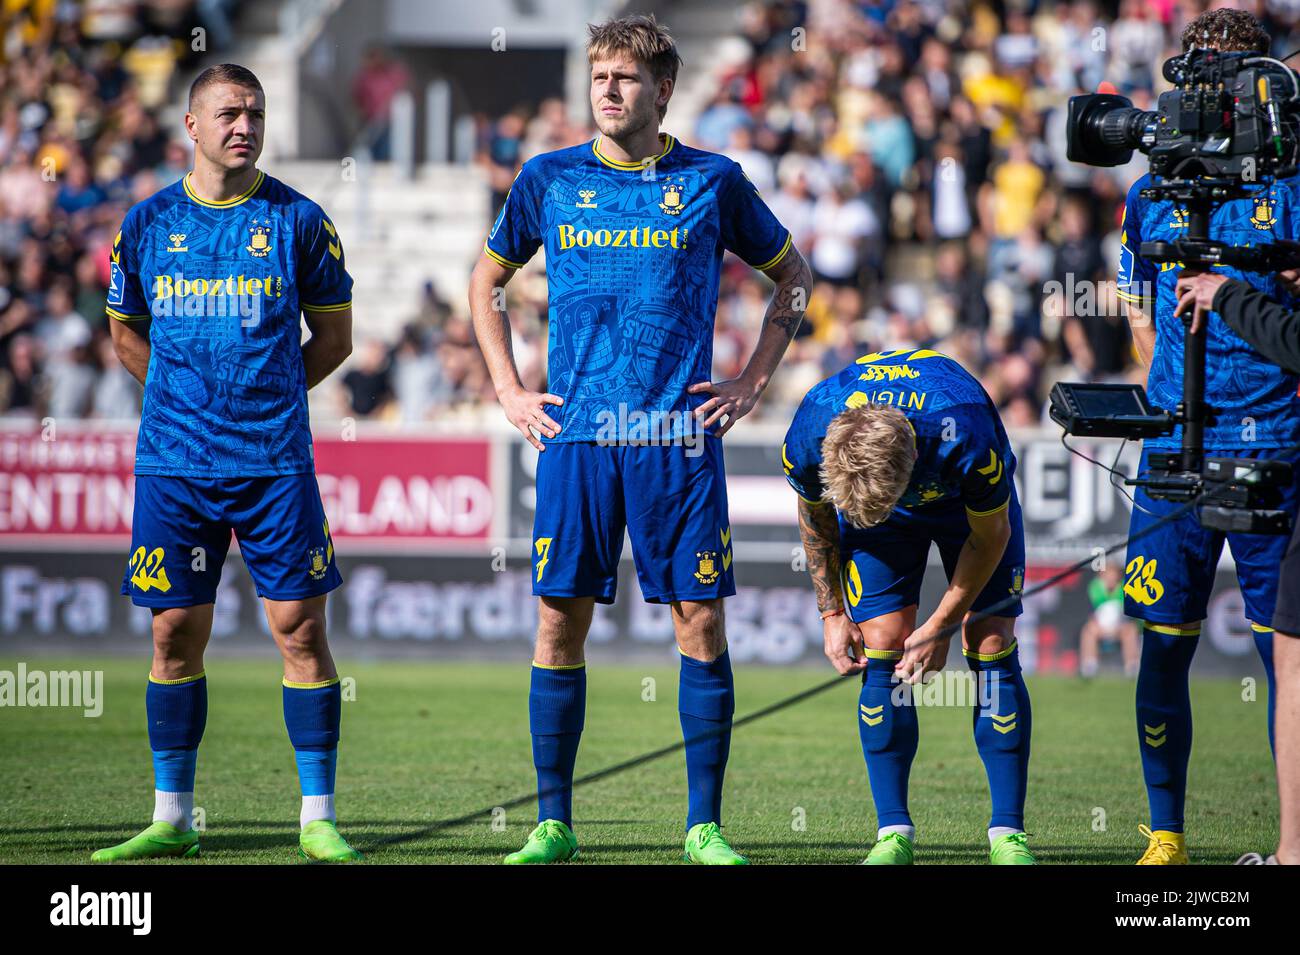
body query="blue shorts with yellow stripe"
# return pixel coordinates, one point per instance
(883, 566)
(1169, 573)
(181, 529)
(672, 501)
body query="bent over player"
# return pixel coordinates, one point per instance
(899, 450)
(634, 225)
(209, 279)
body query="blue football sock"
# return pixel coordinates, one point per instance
(312, 716)
(706, 700)
(1003, 723)
(1264, 644)
(557, 709)
(177, 712)
(888, 728)
(1164, 722)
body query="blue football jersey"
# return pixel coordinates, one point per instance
(963, 455)
(223, 286)
(633, 257)
(1255, 400)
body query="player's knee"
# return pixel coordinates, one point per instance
(303, 637)
(883, 634)
(989, 635)
(562, 624)
(700, 629)
(179, 637)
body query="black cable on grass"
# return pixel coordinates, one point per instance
(789, 701)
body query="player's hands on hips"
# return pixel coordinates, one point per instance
(1196, 291)
(924, 652)
(733, 398)
(843, 644)
(527, 411)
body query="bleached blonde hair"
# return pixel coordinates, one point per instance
(867, 459)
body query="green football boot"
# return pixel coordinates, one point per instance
(705, 845)
(893, 848)
(320, 841)
(551, 841)
(161, 840)
(1011, 850)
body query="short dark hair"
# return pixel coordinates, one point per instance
(223, 73)
(1225, 30)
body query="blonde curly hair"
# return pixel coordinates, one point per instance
(867, 458)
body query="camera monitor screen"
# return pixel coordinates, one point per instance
(1108, 402)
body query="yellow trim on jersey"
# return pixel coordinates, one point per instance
(1130, 297)
(501, 259)
(179, 680)
(785, 247)
(225, 203)
(989, 657)
(341, 306)
(125, 316)
(1173, 631)
(310, 686)
(871, 654)
(640, 164)
(1001, 507)
(1258, 629)
(564, 666)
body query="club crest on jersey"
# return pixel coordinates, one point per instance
(1180, 219)
(707, 572)
(316, 563)
(259, 243)
(673, 201)
(178, 242)
(1262, 218)
(586, 195)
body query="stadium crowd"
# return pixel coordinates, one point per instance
(915, 148)
(81, 86)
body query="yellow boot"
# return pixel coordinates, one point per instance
(1165, 848)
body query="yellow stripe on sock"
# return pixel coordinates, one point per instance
(883, 654)
(310, 686)
(179, 680)
(990, 657)
(561, 666)
(1194, 631)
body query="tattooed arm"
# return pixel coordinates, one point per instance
(735, 398)
(819, 530)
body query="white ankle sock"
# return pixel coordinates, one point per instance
(998, 832)
(908, 831)
(316, 807)
(176, 808)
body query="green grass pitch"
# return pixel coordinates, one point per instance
(426, 741)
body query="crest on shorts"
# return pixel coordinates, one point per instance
(317, 564)
(707, 571)
(1017, 581)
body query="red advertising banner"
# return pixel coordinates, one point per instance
(61, 487)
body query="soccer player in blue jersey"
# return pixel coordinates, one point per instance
(634, 225)
(899, 450)
(210, 277)
(1169, 573)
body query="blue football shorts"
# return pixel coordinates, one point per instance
(672, 501)
(1169, 573)
(882, 566)
(181, 529)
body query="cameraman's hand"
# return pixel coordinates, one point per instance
(1290, 281)
(1196, 290)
